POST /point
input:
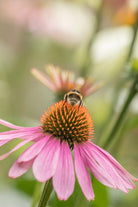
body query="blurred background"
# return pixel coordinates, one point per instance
(90, 38)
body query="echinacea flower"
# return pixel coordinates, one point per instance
(65, 128)
(62, 81)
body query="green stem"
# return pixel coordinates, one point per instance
(130, 52)
(36, 194)
(87, 55)
(131, 95)
(46, 193)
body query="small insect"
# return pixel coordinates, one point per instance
(74, 97)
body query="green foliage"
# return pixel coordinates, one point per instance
(131, 123)
(135, 64)
(75, 200)
(78, 199)
(25, 185)
(101, 194)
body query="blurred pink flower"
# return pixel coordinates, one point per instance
(117, 3)
(61, 81)
(64, 128)
(63, 23)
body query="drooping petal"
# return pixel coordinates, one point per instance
(82, 174)
(16, 134)
(3, 142)
(12, 126)
(33, 150)
(95, 168)
(23, 134)
(14, 149)
(119, 168)
(19, 169)
(116, 174)
(46, 162)
(112, 171)
(22, 130)
(64, 178)
(8, 124)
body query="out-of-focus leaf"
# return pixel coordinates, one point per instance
(101, 195)
(75, 200)
(131, 122)
(10, 197)
(25, 185)
(78, 199)
(135, 64)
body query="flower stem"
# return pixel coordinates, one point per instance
(132, 92)
(46, 193)
(131, 95)
(87, 55)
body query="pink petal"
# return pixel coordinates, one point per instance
(12, 126)
(10, 132)
(8, 124)
(55, 77)
(46, 162)
(44, 79)
(19, 169)
(83, 175)
(67, 80)
(3, 142)
(64, 178)
(33, 150)
(33, 136)
(122, 182)
(21, 133)
(61, 78)
(25, 129)
(14, 149)
(15, 134)
(119, 168)
(96, 169)
(116, 173)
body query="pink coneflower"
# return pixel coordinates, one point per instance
(65, 128)
(60, 21)
(62, 81)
